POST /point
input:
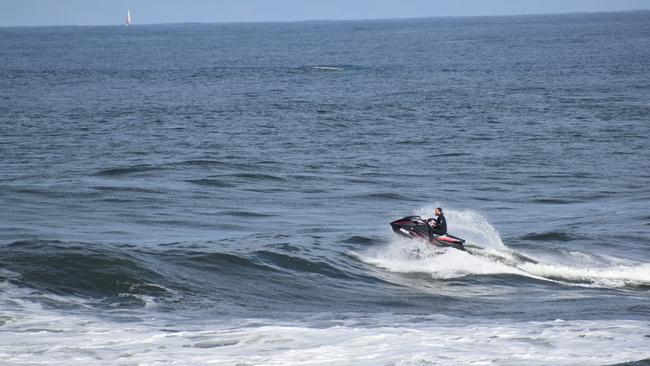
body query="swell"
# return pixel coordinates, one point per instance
(299, 264)
(388, 196)
(557, 201)
(210, 182)
(115, 273)
(126, 170)
(80, 269)
(243, 213)
(255, 176)
(128, 189)
(549, 236)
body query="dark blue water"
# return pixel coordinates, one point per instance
(233, 183)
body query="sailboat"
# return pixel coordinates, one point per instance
(128, 18)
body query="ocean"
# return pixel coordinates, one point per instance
(221, 193)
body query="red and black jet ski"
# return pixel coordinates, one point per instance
(415, 227)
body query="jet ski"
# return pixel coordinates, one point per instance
(416, 227)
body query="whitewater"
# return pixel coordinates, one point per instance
(220, 194)
(487, 254)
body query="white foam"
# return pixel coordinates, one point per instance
(405, 255)
(46, 337)
(575, 268)
(616, 276)
(31, 334)
(414, 256)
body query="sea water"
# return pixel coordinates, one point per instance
(221, 193)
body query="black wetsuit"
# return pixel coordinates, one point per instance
(441, 226)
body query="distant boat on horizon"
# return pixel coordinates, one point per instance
(128, 18)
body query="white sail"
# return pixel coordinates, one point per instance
(128, 17)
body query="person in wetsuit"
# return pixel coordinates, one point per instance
(439, 224)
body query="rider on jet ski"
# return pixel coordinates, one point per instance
(431, 230)
(438, 226)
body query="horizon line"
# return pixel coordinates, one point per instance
(330, 20)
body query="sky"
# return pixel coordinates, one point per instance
(109, 12)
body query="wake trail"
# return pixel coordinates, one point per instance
(488, 255)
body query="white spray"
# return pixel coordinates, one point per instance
(494, 257)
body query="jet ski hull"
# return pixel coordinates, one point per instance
(416, 228)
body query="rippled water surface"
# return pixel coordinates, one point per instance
(222, 193)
